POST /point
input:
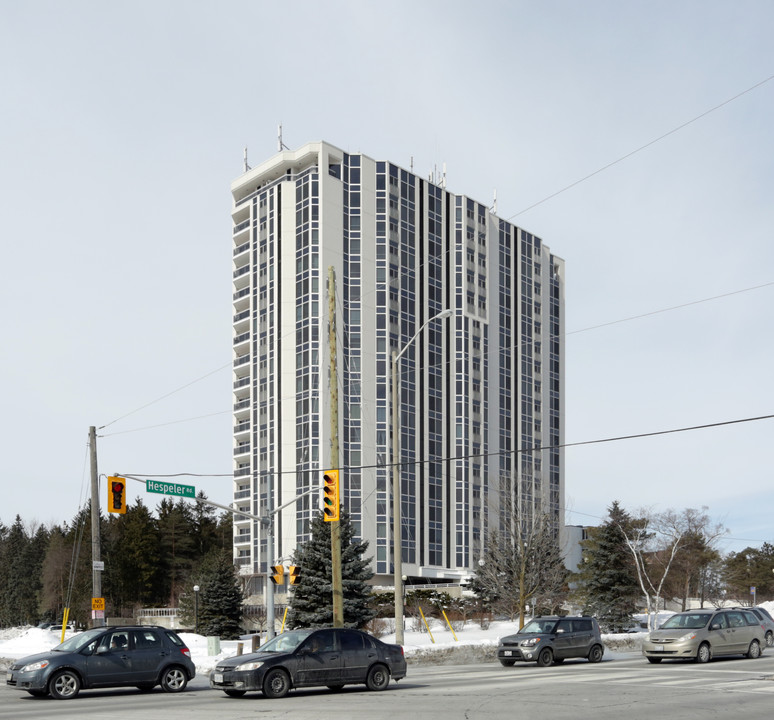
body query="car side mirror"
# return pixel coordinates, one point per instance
(715, 626)
(102, 649)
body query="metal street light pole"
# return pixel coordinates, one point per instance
(397, 544)
(196, 608)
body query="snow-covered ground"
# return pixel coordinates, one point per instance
(472, 642)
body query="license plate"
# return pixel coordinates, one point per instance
(658, 648)
(507, 652)
(217, 677)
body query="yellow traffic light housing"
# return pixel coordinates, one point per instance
(293, 572)
(116, 495)
(331, 500)
(278, 577)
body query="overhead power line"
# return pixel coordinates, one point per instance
(641, 148)
(472, 456)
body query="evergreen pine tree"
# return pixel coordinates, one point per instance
(311, 603)
(178, 548)
(609, 588)
(220, 597)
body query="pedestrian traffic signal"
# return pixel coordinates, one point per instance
(117, 495)
(331, 499)
(293, 572)
(278, 576)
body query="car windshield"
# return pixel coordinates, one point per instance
(286, 642)
(764, 612)
(539, 626)
(76, 642)
(689, 621)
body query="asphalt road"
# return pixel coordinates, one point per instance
(625, 687)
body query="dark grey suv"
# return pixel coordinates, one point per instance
(106, 657)
(552, 640)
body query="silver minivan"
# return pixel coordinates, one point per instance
(702, 634)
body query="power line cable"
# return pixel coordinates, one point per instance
(152, 402)
(499, 453)
(641, 148)
(172, 422)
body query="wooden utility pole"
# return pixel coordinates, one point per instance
(96, 582)
(336, 585)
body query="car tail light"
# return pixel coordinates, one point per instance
(185, 651)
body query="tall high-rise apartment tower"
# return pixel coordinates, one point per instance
(480, 390)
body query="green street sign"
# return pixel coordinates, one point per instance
(168, 488)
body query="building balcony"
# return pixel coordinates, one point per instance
(241, 227)
(242, 449)
(239, 294)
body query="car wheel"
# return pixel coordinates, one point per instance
(704, 653)
(655, 661)
(235, 693)
(754, 651)
(37, 693)
(595, 654)
(378, 678)
(507, 663)
(64, 685)
(335, 688)
(174, 679)
(545, 657)
(276, 683)
(769, 639)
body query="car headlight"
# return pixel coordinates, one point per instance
(531, 642)
(687, 637)
(39, 665)
(248, 666)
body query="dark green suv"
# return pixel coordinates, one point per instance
(552, 640)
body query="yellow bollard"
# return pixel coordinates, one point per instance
(65, 618)
(284, 617)
(449, 624)
(426, 625)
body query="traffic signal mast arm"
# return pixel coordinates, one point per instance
(263, 519)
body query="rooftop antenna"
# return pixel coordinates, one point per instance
(443, 179)
(494, 204)
(280, 145)
(247, 167)
(412, 164)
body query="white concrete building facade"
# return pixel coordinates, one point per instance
(481, 392)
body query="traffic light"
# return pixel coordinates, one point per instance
(116, 495)
(293, 572)
(279, 574)
(331, 499)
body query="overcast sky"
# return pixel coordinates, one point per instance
(123, 125)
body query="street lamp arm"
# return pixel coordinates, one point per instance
(440, 316)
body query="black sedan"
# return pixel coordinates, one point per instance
(331, 657)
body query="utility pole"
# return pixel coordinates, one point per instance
(336, 585)
(96, 582)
